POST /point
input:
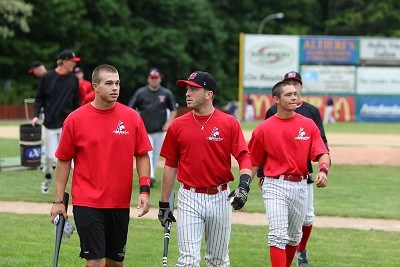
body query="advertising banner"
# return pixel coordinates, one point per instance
(329, 50)
(328, 79)
(344, 106)
(267, 58)
(378, 80)
(378, 108)
(382, 51)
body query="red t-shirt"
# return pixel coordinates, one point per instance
(203, 158)
(103, 144)
(85, 87)
(88, 98)
(283, 146)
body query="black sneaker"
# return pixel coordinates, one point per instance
(302, 259)
(152, 182)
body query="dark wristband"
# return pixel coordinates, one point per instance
(58, 202)
(145, 189)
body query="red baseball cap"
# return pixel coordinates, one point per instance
(154, 73)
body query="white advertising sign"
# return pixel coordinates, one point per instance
(328, 79)
(267, 58)
(384, 51)
(382, 80)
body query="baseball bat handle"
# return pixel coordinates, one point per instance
(167, 231)
(59, 231)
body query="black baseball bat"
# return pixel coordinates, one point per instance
(167, 231)
(59, 231)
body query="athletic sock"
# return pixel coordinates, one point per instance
(277, 256)
(304, 239)
(290, 251)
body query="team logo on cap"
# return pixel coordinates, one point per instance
(292, 75)
(192, 76)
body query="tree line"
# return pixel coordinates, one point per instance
(177, 36)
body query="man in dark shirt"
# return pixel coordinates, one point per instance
(152, 102)
(58, 95)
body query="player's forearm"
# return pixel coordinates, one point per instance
(143, 165)
(324, 158)
(62, 170)
(167, 183)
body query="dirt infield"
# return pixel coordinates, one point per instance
(345, 148)
(242, 218)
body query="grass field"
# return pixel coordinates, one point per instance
(28, 240)
(353, 191)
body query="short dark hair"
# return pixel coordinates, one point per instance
(104, 67)
(277, 89)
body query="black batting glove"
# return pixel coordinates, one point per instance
(164, 213)
(238, 197)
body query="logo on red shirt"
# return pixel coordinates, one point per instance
(120, 128)
(214, 136)
(302, 135)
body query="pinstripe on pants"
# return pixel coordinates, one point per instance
(285, 204)
(200, 214)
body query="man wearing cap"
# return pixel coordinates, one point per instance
(58, 95)
(37, 69)
(152, 102)
(312, 112)
(197, 151)
(85, 87)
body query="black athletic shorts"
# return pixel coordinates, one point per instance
(102, 232)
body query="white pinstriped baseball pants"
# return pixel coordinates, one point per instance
(310, 215)
(285, 204)
(208, 215)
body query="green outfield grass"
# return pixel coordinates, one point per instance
(28, 240)
(352, 191)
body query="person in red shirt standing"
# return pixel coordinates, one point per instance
(197, 150)
(85, 87)
(103, 138)
(283, 144)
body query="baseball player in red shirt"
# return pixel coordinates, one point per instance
(283, 144)
(103, 137)
(198, 148)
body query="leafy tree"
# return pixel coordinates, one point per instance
(176, 36)
(363, 18)
(13, 16)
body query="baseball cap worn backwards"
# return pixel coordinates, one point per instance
(199, 79)
(293, 75)
(34, 65)
(154, 73)
(69, 55)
